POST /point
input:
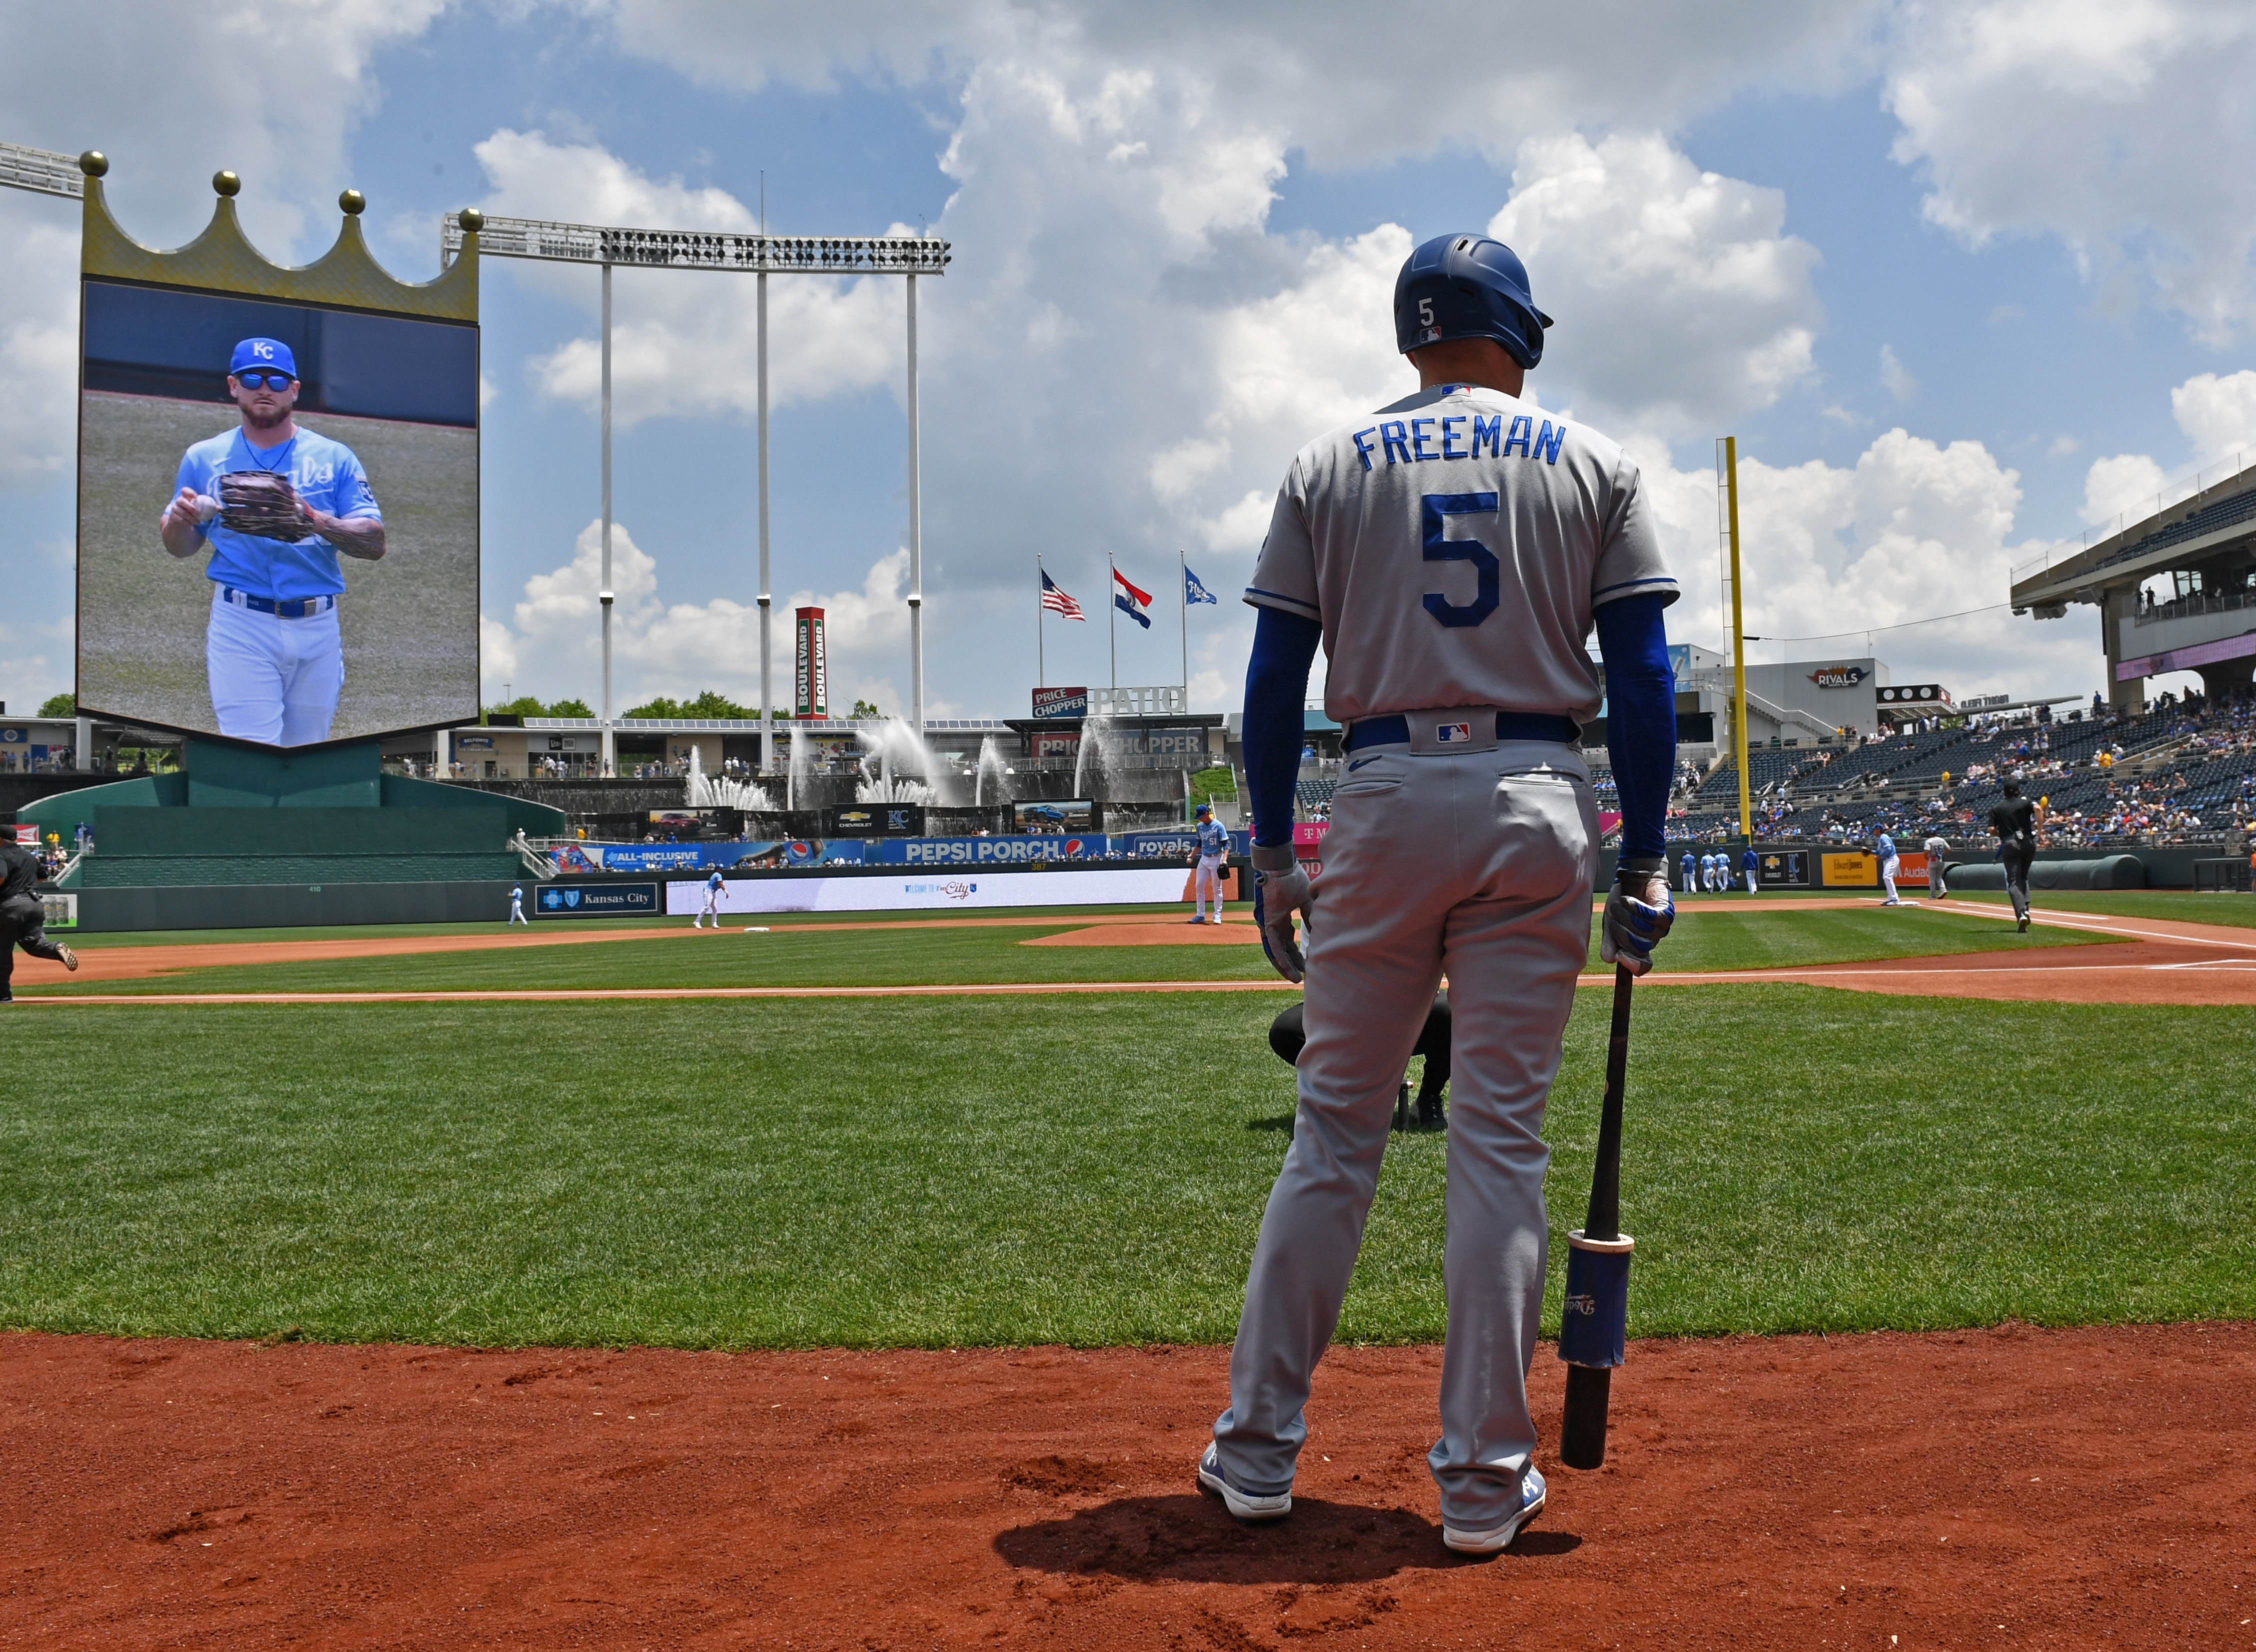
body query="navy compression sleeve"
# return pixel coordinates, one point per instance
(1276, 689)
(1640, 719)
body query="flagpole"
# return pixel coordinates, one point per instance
(1112, 621)
(1041, 658)
(1183, 601)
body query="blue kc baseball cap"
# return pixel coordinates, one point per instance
(264, 352)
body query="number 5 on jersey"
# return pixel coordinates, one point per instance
(1438, 508)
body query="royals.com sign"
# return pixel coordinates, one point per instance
(597, 901)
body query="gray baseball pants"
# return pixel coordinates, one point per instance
(1501, 842)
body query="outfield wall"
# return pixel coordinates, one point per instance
(292, 906)
(938, 891)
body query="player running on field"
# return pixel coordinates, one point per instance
(1450, 551)
(714, 885)
(275, 505)
(1213, 854)
(2013, 821)
(23, 919)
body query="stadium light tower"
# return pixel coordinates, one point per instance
(759, 255)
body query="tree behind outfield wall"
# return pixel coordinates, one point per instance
(527, 706)
(60, 705)
(707, 704)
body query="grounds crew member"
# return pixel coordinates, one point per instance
(1450, 551)
(23, 919)
(275, 505)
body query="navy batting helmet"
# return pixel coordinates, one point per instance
(1467, 286)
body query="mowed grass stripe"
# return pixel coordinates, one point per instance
(942, 1172)
(1757, 935)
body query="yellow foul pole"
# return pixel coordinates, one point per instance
(1730, 479)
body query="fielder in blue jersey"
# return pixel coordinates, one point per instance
(1890, 862)
(714, 885)
(276, 506)
(1691, 875)
(1213, 857)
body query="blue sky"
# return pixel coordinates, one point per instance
(1942, 269)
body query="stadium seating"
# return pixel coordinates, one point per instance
(2221, 514)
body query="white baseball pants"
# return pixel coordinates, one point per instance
(273, 679)
(1888, 876)
(1504, 840)
(1207, 885)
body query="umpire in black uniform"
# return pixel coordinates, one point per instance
(23, 919)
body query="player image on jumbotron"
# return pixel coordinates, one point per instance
(276, 506)
(278, 516)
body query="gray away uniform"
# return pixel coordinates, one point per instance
(1454, 546)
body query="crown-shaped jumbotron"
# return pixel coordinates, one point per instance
(221, 260)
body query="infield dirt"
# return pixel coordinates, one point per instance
(2010, 1488)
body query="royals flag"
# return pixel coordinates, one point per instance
(1058, 603)
(1129, 600)
(1195, 592)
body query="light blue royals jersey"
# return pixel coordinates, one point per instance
(327, 476)
(1887, 847)
(1213, 838)
(715, 881)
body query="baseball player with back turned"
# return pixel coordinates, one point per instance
(275, 505)
(1450, 553)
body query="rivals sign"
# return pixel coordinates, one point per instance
(1838, 676)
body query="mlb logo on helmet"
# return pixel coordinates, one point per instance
(1454, 733)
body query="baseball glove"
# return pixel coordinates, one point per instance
(264, 505)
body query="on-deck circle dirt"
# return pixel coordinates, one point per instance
(2013, 1487)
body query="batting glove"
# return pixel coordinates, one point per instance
(1280, 889)
(1639, 914)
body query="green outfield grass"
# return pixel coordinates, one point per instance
(945, 1171)
(2183, 905)
(1753, 936)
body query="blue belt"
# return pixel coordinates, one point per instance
(1510, 725)
(294, 608)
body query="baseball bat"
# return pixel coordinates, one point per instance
(1594, 1323)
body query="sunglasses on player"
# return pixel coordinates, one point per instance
(254, 379)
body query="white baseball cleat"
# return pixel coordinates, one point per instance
(1499, 1537)
(1246, 1505)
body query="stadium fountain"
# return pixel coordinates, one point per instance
(892, 751)
(795, 770)
(708, 791)
(991, 764)
(1094, 756)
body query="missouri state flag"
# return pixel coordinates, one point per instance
(1132, 601)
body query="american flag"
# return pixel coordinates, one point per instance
(1057, 602)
